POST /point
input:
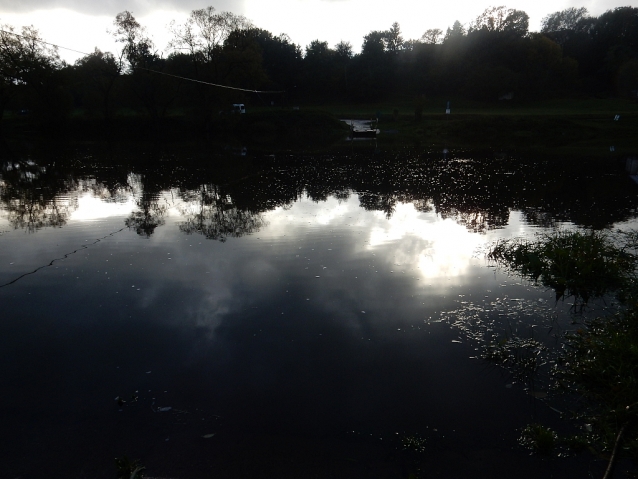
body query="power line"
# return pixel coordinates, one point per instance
(42, 41)
(208, 83)
(150, 70)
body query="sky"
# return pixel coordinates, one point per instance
(83, 24)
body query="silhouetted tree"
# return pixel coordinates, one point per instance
(432, 36)
(150, 89)
(343, 59)
(567, 19)
(282, 60)
(97, 76)
(456, 32)
(30, 77)
(393, 38)
(204, 33)
(502, 19)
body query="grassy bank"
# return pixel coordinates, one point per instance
(584, 124)
(575, 123)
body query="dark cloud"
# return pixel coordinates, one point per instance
(112, 7)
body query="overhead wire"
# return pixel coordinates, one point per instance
(151, 70)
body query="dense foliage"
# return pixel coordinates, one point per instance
(494, 57)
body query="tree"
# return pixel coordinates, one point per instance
(432, 36)
(375, 66)
(393, 38)
(343, 58)
(205, 31)
(319, 66)
(617, 27)
(602, 45)
(457, 31)
(241, 61)
(98, 74)
(343, 50)
(546, 70)
(222, 49)
(281, 59)
(30, 74)
(567, 19)
(138, 49)
(502, 19)
(151, 89)
(317, 50)
(564, 25)
(373, 43)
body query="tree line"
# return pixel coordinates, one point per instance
(495, 56)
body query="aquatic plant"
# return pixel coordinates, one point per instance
(522, 356)
(574, 264)
(128, 469)
(598, 365)
(539, 438)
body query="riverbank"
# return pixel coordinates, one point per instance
(575, 124)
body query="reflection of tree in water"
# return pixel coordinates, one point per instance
(150, 213)
(149, 216)
(472, 193)
(476, 221)
(478, 192)
(34, 197)
(423, 205)
(372, 202)
(214, 215)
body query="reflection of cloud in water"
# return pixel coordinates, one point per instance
(439, 247)
(210, 312)
(91, 208)
(447, 246)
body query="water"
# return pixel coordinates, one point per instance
(299, 315)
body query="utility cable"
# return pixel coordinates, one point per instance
(42, 41)
(86, 246)
(208, 83)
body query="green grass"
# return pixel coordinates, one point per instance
(577, 125)
(436, 106)
(562, 123)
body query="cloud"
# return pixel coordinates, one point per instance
(112, 7)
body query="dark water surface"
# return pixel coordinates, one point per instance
(301, 316)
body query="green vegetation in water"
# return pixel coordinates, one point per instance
(520, 355)
(539, 438)
(599, 362)
(128, 469)
(574, 264)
